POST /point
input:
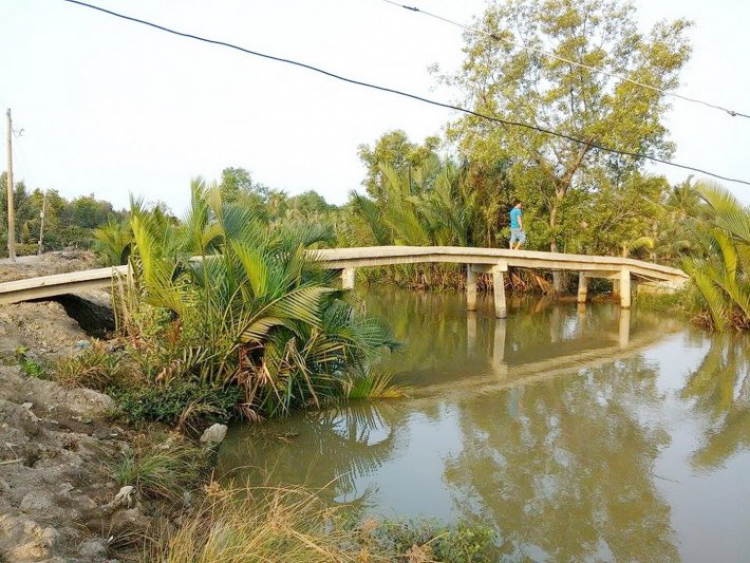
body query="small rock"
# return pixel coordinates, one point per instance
(27, 406)
(82, 344)
(93, 549)
(214, 435)
(125, 496)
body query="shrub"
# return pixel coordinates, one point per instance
(181, 404)
(254, 313)
(463, 543)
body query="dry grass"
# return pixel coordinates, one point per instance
(94, 368)
(162, 469)
(263, 525)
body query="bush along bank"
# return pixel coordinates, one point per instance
(224, 318)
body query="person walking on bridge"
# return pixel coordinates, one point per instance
(517, 234)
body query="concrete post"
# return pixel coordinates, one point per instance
(498, 282)
(347, 278)
(615, 287)
(625, 288)
(583, 287)
(471, 288)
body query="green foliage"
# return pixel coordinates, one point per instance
(30, 366)
(722, 273)
(251, 324)
(66, 223)
(370, 385)
(424, 540)
(161, 468)
(394, 149)
(178, 404)
(114, 242)
(95, 367)
(566, 185)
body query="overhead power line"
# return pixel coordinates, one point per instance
(496, 37)
(504, 122)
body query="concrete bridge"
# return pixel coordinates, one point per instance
(622, 271)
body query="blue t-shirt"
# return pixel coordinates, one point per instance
(515, 215)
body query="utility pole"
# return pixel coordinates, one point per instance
(41, 223)
(11, 207)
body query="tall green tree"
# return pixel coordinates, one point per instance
(394, 149)
(506, 75)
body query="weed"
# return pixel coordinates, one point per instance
(29, 365)
(260, 525)
(95, 367)
(162, 469)
(292, 524)
(463, 543)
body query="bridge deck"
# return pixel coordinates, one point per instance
(347, 259)
(389, 255)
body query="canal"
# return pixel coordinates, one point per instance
(579, 434)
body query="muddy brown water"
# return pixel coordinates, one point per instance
(579, 434)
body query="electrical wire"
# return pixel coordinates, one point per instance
(417, 10)
(504, 122)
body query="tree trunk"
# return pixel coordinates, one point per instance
(557, 278)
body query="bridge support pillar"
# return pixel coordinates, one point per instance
(498, 284)
(625, 294)
(616, 287)
(347, 278)
(471, 288)
(583, 287)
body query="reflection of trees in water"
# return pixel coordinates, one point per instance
(565, 470)
(720, 388)
(326, 450)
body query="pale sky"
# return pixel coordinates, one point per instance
(112, 107)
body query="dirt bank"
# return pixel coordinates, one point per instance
(58, 497)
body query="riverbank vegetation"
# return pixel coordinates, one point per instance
(245, 525)
(226, 318)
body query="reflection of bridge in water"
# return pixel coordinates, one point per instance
(515, 372)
